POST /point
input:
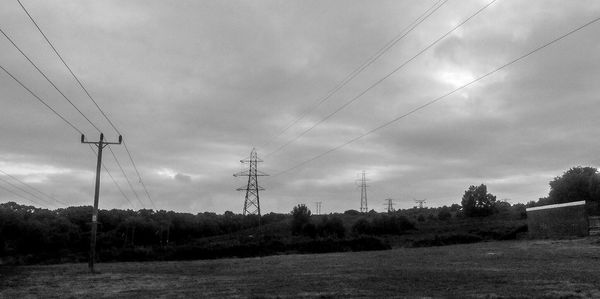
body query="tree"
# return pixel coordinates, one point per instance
(577, 183)
(455, 207)
(477, 202)
(300, 217)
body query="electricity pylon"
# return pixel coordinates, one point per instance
(420, 202)
(318, 210)
(252, 200)
(363, 194)
(100, 144)
(390, 205)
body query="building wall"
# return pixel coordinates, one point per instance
(555, 221)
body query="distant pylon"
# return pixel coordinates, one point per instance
(390, 205)
(252, 200)
(420, 202)
(318, 206)
(363, 194)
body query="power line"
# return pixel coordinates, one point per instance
(117, 185)
(48, 79)
(381, 80)
(367, 63)
(41, 101)
(138, 174)
(23, 190)
(68, 68)
(441, 97)
(125, 175)
(21, 196)
(33, 188)
(112, 178)
(92, 99)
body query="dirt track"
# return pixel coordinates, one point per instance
(568, 268)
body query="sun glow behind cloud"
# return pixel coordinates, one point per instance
(455, 77)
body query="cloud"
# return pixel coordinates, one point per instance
(194, 86)
(183, 178)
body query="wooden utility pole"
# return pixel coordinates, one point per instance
(100, 144)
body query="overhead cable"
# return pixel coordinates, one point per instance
(394, 120)
(381, 80)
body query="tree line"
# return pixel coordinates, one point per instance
(32, 235)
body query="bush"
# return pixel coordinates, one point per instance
(300, 217)
(382, 225)
(362, 227)
(331, 227)
(444, 215)
(447, 239)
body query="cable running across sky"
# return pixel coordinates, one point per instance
(346, 104)
(408, 29)
(555, 40)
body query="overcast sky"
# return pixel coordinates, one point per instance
(193, 86)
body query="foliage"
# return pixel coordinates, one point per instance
(300, 218)
(444, 214)
(332, 227)
(577, 183)
(352, 212)
(31, 235)
(362, 227)
(477, 202)
(36, 235)
(383, 224)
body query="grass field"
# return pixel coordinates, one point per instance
(554, 269)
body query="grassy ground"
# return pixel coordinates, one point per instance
(566, 268)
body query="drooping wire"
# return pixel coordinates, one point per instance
(364, 65)
(25, 191)
(138, 174)
(69, 68)
(41, 101)
(555, 40)
(125, 175)
(112, 178)
(21, 196)
(33, 188)
(89, 96)
(346, 104)
(48, 79)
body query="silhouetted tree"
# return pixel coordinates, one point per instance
(300, 217)
(478, 202)
(577, 183)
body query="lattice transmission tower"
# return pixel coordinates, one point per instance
(363, 194)
(252, 200)
(421, 202)
(390, 205)
(318, 207)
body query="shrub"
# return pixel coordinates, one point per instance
(331, 227)
(300, 217)
(444, 215)
(362, 227)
